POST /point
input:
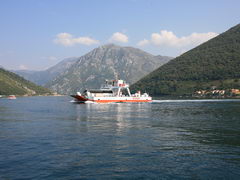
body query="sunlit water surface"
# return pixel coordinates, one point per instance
(52, 138)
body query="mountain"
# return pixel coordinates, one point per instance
(42, 77)
(215, 63)
(106, 62)
(11, 83)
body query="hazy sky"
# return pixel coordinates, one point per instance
(38, 34)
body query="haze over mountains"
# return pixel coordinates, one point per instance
(90, 71)
(42, 77)
(215, 63)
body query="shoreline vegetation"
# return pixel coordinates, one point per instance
(206, 94)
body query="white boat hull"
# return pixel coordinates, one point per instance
(112, 99)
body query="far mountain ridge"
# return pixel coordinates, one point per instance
(43, 77)
(106, 62)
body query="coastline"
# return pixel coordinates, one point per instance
(168, 97)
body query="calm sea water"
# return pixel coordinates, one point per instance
(52, 138)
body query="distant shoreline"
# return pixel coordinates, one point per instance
(5, 96)
(192, 97)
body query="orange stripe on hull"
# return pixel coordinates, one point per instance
(110, 101)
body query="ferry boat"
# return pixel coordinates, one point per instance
(111, 91)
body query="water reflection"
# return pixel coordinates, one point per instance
(116, 116)
(202, 122)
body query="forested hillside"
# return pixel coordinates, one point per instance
(214, 63)
(11, 83)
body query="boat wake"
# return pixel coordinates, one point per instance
(85, 102)
(194, 100)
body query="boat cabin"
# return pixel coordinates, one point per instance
(115, 84)
(98, 93)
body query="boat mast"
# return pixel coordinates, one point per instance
(128, 90)
(119, 90)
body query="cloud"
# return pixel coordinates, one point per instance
(67, 39)
(119, 37)
(168, 38)
(22, 67)
(143, 42)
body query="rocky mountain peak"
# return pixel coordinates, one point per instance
(109, 61)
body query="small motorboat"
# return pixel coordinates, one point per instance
(12, 97)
